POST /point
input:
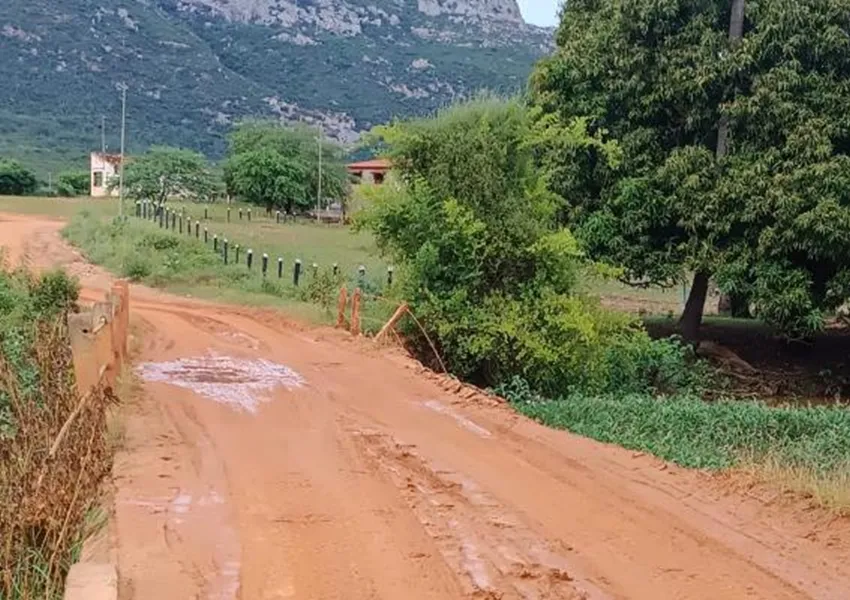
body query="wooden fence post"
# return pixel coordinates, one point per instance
(343, 301)
(355, 312)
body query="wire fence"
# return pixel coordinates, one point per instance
(233, 253)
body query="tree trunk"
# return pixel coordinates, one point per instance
(740, 306)
(691, 320)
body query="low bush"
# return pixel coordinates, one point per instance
(73, 183)
(489, 272)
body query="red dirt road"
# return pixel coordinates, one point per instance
(363, 478)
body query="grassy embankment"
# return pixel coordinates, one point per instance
(804, 449)
(186, 265)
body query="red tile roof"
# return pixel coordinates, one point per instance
(378, 164)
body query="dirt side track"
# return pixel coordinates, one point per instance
(368, 480)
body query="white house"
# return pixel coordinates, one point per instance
(104, 168)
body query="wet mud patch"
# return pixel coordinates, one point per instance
(241, 383)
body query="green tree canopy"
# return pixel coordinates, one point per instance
(289, 177)
(15, 179)
(484, 264)
(164, 172)
(765, 211)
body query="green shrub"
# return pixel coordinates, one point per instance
(73, 183)
(322, 288)
(159, 241)
(136, 268)
(486, 268)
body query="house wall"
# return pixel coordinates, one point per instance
(103, 170)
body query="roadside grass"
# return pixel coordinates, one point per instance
(804, 449)
(57, 207)
(303, 239)
(141, 251)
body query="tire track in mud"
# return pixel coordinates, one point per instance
(497, 557)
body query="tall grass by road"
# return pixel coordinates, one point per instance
(49, 481)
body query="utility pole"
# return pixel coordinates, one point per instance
(319, 194)
(121, 166)
(103, 134)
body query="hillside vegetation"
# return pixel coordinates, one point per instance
(192, 68)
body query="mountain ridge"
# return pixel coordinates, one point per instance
(193, 67)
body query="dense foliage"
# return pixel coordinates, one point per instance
(54, 451)
(162, 173)
(15, 179)
(73, 183)
(279, 167)
(767, 213)
(487, 269)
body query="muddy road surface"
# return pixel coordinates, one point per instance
(263, 460)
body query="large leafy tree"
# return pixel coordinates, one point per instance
(163, 172)
(731, 122)
(15, 179)
(290, 171)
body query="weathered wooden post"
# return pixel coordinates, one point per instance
(355, 312)
(296, 272)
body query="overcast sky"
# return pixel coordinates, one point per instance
(540, 12)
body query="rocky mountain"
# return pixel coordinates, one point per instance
(193, 67)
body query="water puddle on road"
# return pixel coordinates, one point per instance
(240, 383)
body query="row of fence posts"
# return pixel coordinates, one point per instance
(165, 216)
(245, 214)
